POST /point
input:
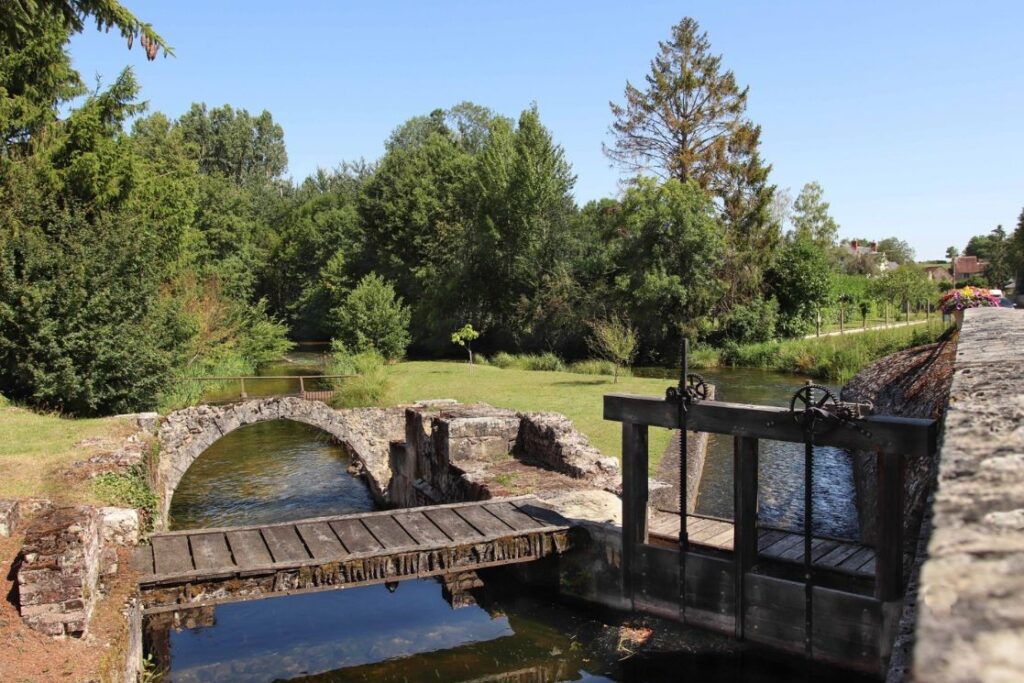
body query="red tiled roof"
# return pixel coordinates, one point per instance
(969, 265)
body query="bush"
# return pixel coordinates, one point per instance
(752, 322)
(373, 318)
(593, 366)
(368, 383)
(503, 360)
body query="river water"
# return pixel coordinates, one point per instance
(279, 471)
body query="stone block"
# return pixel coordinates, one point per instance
(10, 515)
(57, 578)
(120, 526)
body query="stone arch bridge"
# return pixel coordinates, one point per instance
(185, 434)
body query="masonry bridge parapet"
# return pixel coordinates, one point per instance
(970, 605)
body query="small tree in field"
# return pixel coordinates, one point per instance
(373, 317)
(464, 337)
(614, 340)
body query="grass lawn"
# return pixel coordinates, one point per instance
(35, 447)
(578, 397)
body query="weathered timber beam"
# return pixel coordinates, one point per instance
(881, 433)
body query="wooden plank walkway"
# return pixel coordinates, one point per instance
(373, 547)
(787, 546)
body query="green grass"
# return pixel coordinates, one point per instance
(35, 447)
(835, 359)
(577, 396)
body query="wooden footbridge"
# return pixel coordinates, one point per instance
(209, 566)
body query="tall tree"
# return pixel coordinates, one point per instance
(896, 250)
(689, 123)
(811, 219)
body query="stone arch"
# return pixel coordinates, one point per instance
(185, 434)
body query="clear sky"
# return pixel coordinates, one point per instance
(910, 114)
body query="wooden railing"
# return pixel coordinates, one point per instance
(315, 394)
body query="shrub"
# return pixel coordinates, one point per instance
(373, 318)
(752, 322)
(593, 366)
(615, 340)
(503, 360)
(368, 383)
(546, 362)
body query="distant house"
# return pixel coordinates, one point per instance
(966, 267)
(868, 254)
(938, 273)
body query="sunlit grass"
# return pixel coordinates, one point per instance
(35, 447)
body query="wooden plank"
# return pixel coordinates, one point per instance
(419, 526)
(694, 525)
(171, 555)
(248, 548)
(837, 556)
(508, 513)
(388, 532)
(796, 553)
(284, 544)
(824, 549)
(321, 541)
(210, 552)
(634, 503)
(483, 521)
(710, 531)
(883, 433)
(355, 536)
(526, 503)
(782, 545)
(766, 538)
(142, 559)
(454, 526)
(854, 562)
(723, 539)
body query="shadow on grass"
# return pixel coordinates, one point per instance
(582, 383)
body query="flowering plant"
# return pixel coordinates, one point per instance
(966, 297)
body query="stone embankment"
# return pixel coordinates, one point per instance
(910, 383)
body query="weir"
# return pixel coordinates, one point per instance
(832, 601)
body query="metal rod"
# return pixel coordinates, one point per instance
(808, 534)
(684, 535)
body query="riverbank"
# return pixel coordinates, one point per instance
(834, 358)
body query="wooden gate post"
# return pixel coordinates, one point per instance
(889, 548)
(634, 502)
(744, 518)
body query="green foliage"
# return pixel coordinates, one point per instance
(545, 362)
(811, 220)
(374, 318)
(834, 359)
(752, 322)
(464, 337)
(799, 280)
(902, 287)
(129, 489)
(669, 249)
(613, 340)
(595, 366)
(896, 250)
(368, 384)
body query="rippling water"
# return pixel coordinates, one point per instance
(781, 465)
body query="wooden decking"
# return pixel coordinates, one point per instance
(200, 566)
(776, 544)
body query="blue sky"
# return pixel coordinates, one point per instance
(909, 114)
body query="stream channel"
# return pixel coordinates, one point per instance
(280, 471)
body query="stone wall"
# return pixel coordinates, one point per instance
(971, 596)
(365, 432)
(67, 561)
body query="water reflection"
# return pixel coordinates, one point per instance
(268, 472)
